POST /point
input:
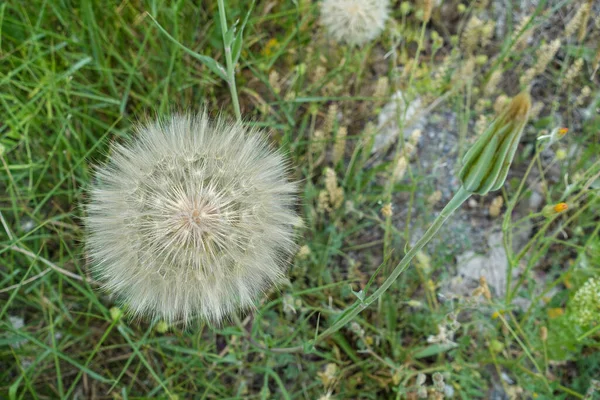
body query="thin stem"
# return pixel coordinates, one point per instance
(459, 198)
(229, 62)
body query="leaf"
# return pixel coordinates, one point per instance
(237, 42)
(434, 349)
(210, 62)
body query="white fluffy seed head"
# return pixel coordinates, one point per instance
(354, 21)
(191, 218)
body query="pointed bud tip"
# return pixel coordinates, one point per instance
(519, 106)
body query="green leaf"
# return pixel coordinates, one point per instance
(210, 62)
(434, 349)
(237, 42)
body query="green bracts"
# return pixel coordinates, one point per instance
(486, 164)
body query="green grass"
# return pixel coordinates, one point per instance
(76, 76)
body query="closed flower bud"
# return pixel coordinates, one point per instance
(486, 164)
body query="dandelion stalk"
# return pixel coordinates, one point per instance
(229, 61)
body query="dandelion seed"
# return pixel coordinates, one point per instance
(354, 21)
(191, 219)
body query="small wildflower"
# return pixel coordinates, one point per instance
(405, 7)
(557, 134)
(386, 210)
(421, 379)
(552, 210)
(271, 45)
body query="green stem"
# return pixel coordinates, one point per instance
(459, 198)
(229, 61)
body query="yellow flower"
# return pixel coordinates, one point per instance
(271, 45)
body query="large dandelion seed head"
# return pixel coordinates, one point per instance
(354, 21)
(191, 218)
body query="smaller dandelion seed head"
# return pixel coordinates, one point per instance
(354, 21)
(191, 218)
